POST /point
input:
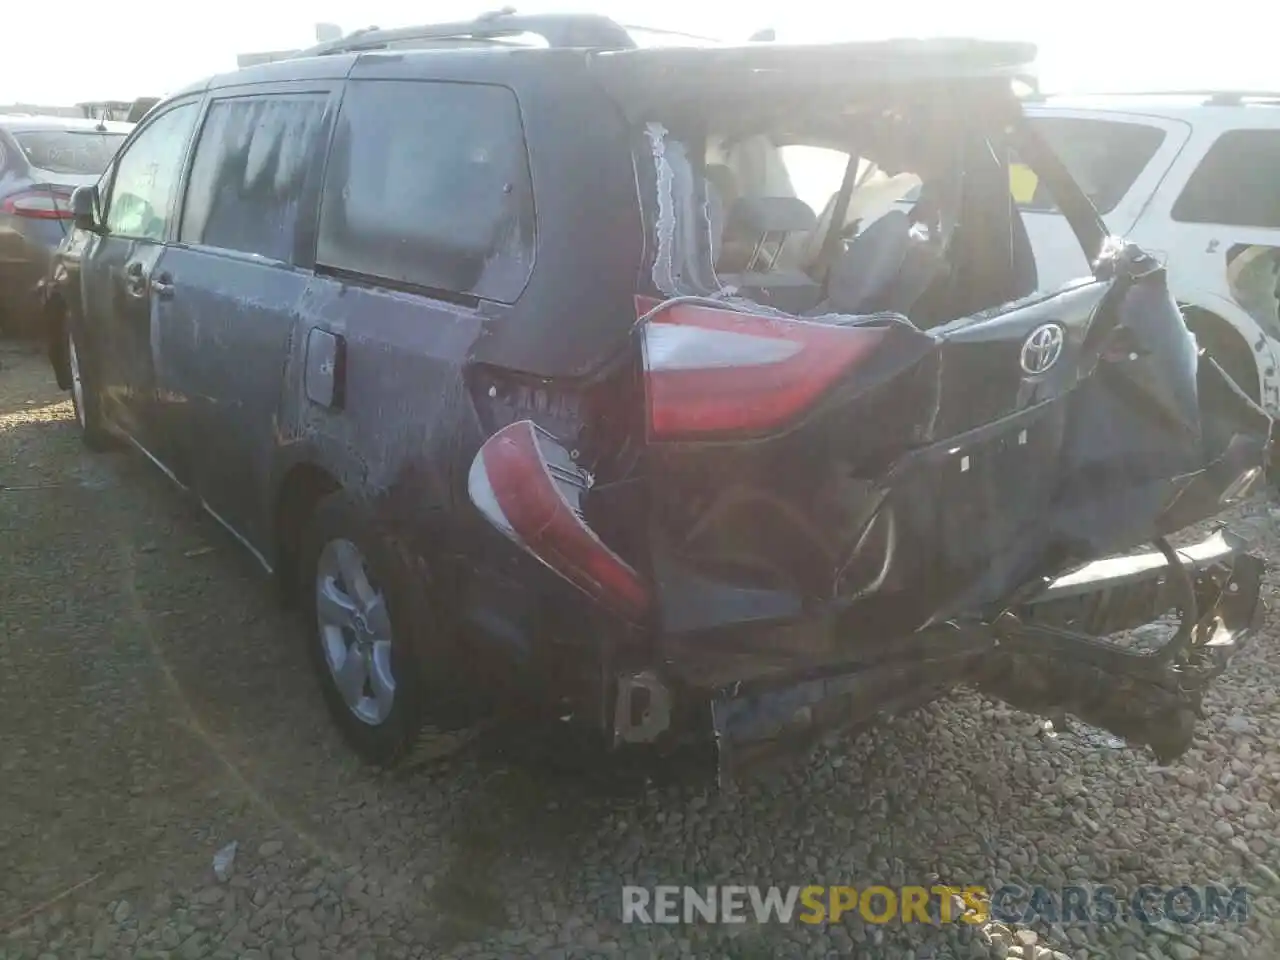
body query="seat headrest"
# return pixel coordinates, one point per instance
(753, 216)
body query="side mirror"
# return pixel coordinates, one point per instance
(84, 209)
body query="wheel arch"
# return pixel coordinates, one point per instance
(55, 331)
(1228, 345)
(302, 487)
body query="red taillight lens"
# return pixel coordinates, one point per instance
(714, 373)
(39, 203)
(526, 485)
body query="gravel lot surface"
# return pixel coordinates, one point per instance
(156, 706)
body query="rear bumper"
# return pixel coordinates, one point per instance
(22, 278)
(1052, 658)
(1048, 655)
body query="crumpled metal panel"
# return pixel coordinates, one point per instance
(948, 488)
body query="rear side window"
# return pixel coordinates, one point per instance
(428, 185)
(250, 167)
(1237, 183)
(75, 152)
(1104, 157)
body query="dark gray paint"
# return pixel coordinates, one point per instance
(218, 382)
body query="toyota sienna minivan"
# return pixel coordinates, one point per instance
(542, 369)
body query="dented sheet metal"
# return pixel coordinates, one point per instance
(950, 481)
(919, 529)
(1044, 657)
(934, 505)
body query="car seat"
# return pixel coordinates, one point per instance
(755, 235)
(864, 273)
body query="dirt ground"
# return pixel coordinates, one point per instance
(156, 705)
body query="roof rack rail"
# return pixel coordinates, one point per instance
(557, 29)
(1231, 98)
(663, 32)
(1213, 97)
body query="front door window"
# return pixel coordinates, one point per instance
(141, 203)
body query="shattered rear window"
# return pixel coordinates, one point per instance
(704, 175)
(815, 172)
(742, 199)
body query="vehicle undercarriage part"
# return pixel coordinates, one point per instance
(1043, 656)
(642, 711)
(754, 723)
(1151, 697)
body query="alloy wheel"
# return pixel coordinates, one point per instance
(354, 632)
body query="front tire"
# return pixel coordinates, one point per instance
(365, 619)
(84, 399)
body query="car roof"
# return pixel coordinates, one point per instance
(17, 123)
(888, 60)
(672, 66)
(641, 79)
(1180, 105)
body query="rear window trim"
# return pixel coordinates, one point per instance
(228, 253)
(374, 282)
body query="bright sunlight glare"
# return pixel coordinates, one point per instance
(89, 51)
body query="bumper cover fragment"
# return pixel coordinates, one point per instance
(1045, 656)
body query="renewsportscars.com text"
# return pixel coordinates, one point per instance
(815, 904)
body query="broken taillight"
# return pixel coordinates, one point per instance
(716, 373)
(526, 485)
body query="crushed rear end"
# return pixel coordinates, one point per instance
(802, 518)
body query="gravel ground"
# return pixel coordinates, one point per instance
(155, 706)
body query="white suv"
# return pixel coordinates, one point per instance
(1194, 179)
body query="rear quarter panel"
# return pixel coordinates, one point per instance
(408, 427)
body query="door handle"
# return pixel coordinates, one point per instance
(162, 285)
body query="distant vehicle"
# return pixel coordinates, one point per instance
(1194, 178)
(140, 107)
(534, 381)
(42, 159)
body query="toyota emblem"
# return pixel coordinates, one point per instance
(1042, 348)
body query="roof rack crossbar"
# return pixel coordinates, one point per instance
(558, 30)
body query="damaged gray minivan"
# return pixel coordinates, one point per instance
(580, 375)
